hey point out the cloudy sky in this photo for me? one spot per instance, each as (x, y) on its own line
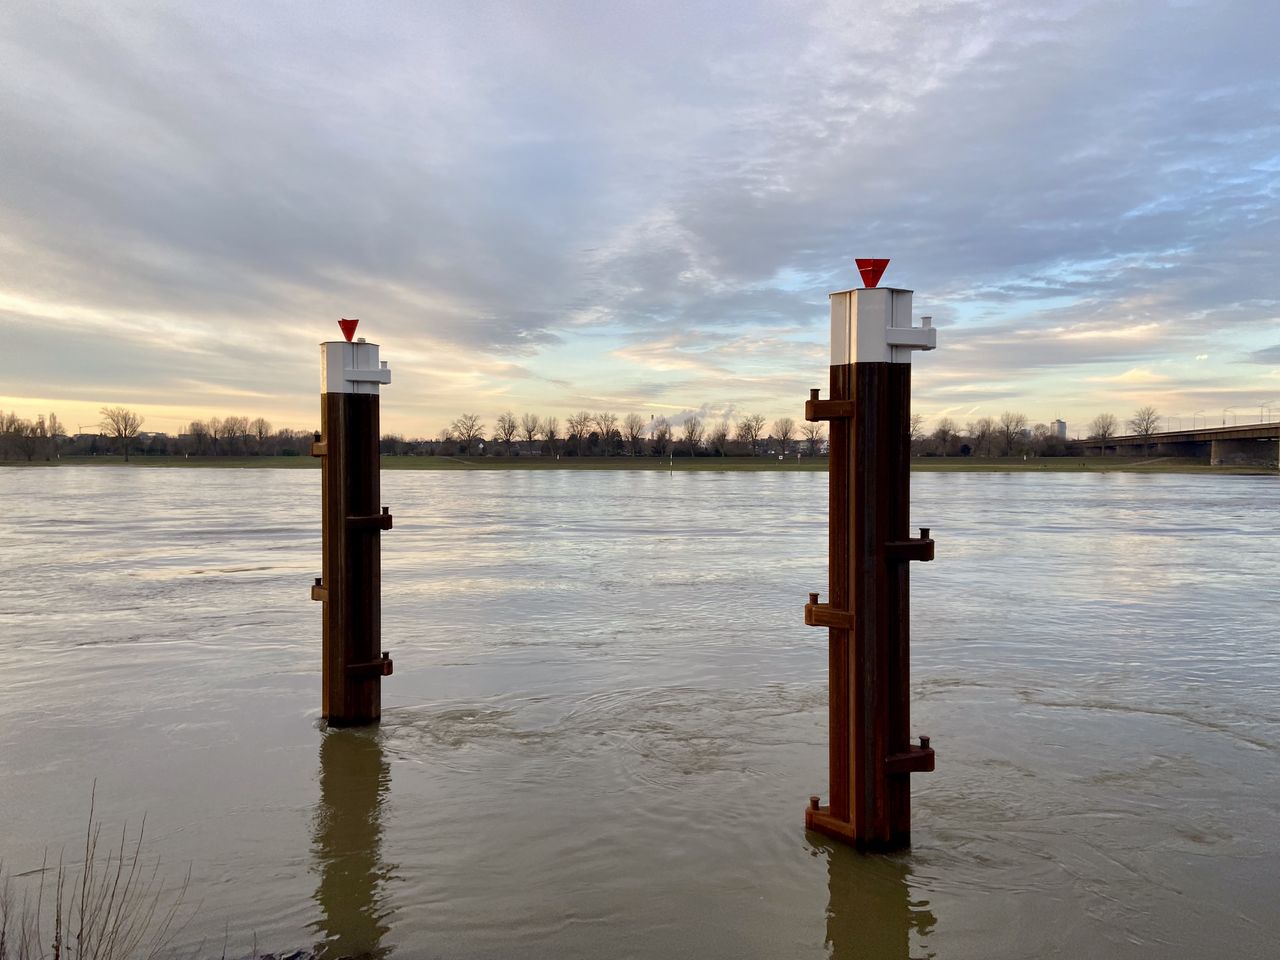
(554, 206)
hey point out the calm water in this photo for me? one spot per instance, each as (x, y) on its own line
(606, 714)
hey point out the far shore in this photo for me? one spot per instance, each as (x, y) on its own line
(733, 464)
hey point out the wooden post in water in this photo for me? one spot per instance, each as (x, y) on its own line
(868, 613)
(350, 586)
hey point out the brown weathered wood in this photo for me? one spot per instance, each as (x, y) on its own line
(351, 580)
(815, 410)
(907, 550)
(381, 667)
(840, 491)
(868, 610)
(823, 615)
(377, 521)
(915, 760)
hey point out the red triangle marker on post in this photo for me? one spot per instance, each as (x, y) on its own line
(871, 270)
(349, 326)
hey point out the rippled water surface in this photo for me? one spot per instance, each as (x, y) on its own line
(606, 714)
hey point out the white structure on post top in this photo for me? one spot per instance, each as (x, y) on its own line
(873, 325)
(351, 367)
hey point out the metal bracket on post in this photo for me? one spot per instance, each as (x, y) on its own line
(920, 548)
(377, 521)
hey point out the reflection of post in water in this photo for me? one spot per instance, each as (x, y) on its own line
(354, 780)
(870, 914)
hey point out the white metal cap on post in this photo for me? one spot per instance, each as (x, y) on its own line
(873, 325)
(351, 367)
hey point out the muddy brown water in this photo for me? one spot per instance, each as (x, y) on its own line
(606, 714)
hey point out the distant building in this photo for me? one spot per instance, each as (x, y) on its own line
(1060, 429)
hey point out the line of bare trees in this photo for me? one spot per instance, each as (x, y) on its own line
(1011, 434)
(30, 440)
(119, 431)
(237, 436)
(583, 434)
(1003, 436)
(1144, 422)
(605, 434)
(45, 439)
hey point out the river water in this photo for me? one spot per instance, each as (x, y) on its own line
(607, 714)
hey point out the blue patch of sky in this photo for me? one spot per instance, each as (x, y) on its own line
(796, 281)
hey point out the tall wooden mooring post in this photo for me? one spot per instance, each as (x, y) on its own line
(350, 585)
(868, 612)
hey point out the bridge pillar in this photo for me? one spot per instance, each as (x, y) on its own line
(1251, 453)
(867, 613)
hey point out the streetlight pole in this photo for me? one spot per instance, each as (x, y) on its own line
(1193, 418)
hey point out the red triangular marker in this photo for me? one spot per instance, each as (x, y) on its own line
(349, 326)
(871, 270)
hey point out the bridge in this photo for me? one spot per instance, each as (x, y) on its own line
(1250, 444)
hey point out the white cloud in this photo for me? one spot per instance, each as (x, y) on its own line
(1073, 190)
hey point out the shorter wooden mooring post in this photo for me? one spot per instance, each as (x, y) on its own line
(868, 612)
(350, 585)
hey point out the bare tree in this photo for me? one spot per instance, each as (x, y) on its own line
(199, 433)
(915, 432)
(261, 430)
(785, 430)
(633, 431)
(660, 429)
(749, 428)
(607, 424)
(8, 433)
(121, 424)
(551, 431)
(530, 427)
(980, 432)
(506, 429)
(235, 432)
(812, 431)
(57, 432)
(216, 434)
(943, 434)
(693, 433)
(579, 424)
(1011, 426)
(28, 438)
(467, 429)
(1102, 427)
(1144, 422)
(718, 437)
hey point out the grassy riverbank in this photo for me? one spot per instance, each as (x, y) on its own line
(731, 464)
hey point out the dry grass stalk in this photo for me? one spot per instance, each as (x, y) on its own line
(112, 908)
